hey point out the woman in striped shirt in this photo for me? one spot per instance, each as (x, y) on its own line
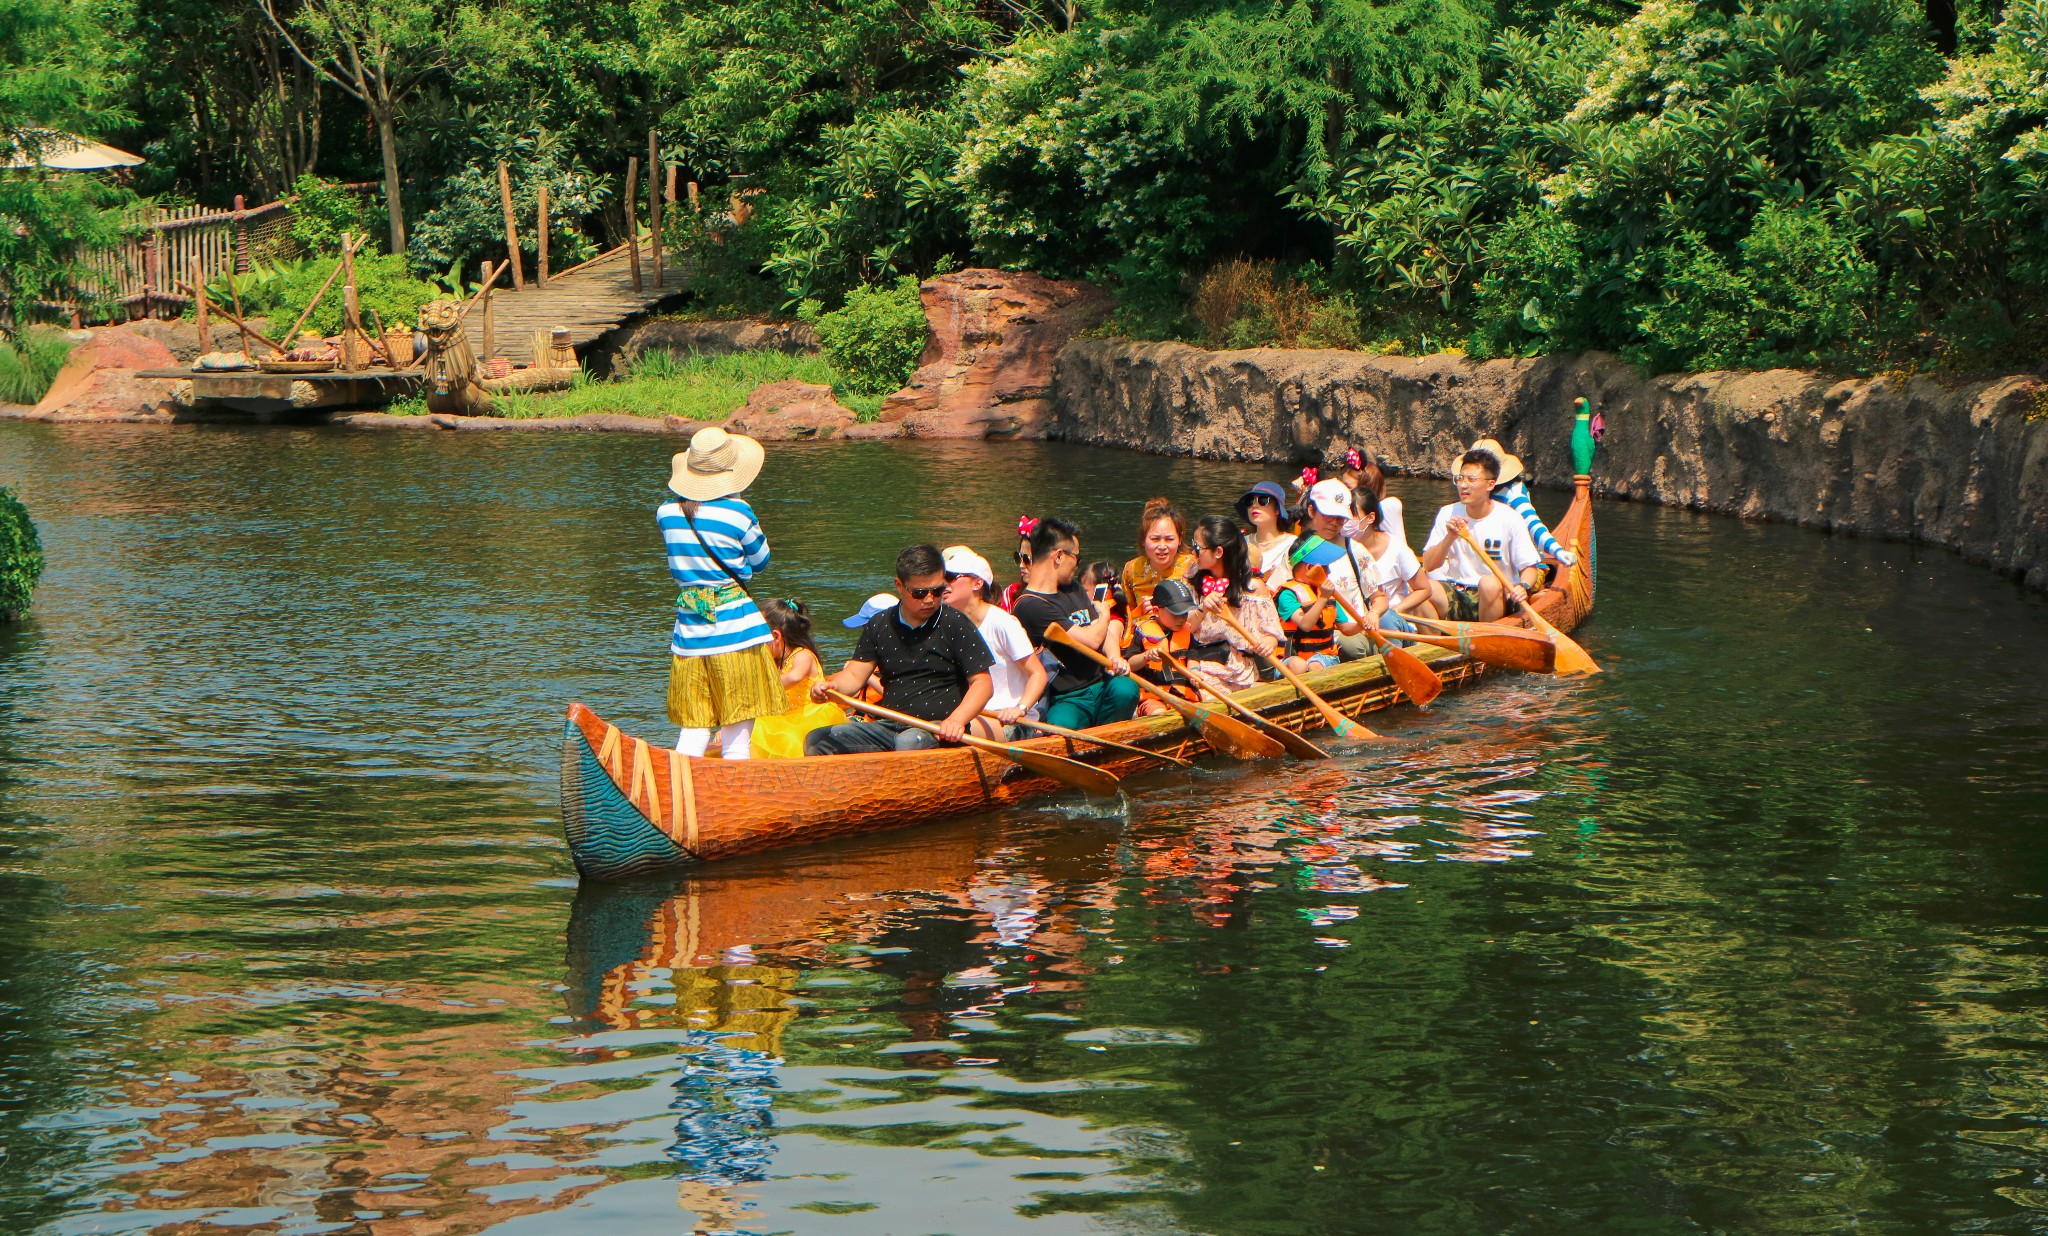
(722, 673)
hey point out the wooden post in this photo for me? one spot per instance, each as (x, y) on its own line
(632, 221)
(511, 226)
(490, 331)
(693, 196)
(654, 201)
(540, 237)
(152, 257)
(241, 236)
(351, 308)
(670, 195)
(199, 306)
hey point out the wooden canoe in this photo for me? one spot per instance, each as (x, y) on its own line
(631, 807)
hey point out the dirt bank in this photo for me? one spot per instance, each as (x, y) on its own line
(1959, 463)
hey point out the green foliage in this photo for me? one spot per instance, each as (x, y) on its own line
(21, 557)
(384, 284)
(29, 363)
(469, 221)
(324, 210)
(697, 387)
(876, 337)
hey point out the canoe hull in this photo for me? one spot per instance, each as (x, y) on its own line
(631, 808)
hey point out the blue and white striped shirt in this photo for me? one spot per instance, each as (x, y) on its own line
(729, 530)
(1516, 495)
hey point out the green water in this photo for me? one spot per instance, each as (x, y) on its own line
(1745, 935)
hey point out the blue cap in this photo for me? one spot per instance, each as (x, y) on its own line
(869, 608)
(1314, 551)
(1264, 489)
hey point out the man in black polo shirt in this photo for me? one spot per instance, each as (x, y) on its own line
(934, 665)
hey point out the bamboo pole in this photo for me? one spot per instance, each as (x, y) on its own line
(540, 238)
(351, 308)
(199, 306)
(632, 221)
(377, 341)
(654, 201)
(488, 337)
(511, 226)
(291, 336)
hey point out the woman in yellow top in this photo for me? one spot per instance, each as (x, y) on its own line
(1162, 551)
(781, 737)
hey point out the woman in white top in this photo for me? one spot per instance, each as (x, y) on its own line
(1263, 509)
(1396, 584)
(1366, 478)
(1018, 675)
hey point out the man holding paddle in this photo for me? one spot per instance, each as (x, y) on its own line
(1465, 588)
(934, 666)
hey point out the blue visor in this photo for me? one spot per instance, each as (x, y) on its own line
(1314, 551)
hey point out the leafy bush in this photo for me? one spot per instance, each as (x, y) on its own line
(21, 557)
(323, 211)
(384, 284)
(469, 220)
(876, 337)
(698, 387)
(30, 363)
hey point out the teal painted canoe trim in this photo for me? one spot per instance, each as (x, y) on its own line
(608, 836)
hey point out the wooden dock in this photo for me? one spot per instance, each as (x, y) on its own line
(590, 300)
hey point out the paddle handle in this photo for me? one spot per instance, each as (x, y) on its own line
(1057, 634)
(903, 718)
(1580, 661)
(1047, 727)
(1339, 723)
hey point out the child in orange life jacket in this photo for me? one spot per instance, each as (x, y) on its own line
(1165, 626)
(1310, 613)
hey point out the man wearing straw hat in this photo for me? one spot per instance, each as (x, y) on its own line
(721, 672)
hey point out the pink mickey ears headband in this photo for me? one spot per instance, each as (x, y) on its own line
(1351, 459)
(1306, 480)
(1026, 525)
(1212, 585)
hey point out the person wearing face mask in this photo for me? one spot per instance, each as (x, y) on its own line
(933, 662)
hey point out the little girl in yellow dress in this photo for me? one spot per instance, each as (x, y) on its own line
(781, 737)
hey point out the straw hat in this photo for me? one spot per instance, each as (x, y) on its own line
(1510, 465)
(717, 465)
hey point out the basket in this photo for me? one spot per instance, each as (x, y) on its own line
(291, 366)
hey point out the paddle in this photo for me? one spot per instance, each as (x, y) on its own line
(1516, 648)
(1081, 776)
(1084, 736)
(1344, 726)
(1571, 659)
(1414, 679)
(1280, 733)
(1225, 735)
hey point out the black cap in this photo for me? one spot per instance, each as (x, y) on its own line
(1173, 596)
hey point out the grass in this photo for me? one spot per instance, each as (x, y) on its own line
(29, 363)
(699, 388)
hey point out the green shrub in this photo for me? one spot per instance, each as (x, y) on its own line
(30, 363)
(384, 283)
(324, 211)
(21, 557)
(876, 337)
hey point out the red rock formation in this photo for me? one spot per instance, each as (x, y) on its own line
(792, 411)
(987, 368)
(98, 382)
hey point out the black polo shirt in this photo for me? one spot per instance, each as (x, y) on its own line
(924, 669)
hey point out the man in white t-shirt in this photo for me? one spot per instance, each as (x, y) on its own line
(1019, 677)
(1466, 588)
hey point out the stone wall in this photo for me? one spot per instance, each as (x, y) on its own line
(1960, 463)
(616, 351)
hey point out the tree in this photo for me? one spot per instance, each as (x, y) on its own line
(50, 86)
(378, 52)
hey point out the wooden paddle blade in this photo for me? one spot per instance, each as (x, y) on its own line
(1571, 659)
(1084, 777)
(1288, 739)
(1230, 736)
(1526, 651)
(1412, 674)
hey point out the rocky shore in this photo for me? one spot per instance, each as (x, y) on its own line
(1961, 463)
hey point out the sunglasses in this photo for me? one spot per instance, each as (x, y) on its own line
(925, 594)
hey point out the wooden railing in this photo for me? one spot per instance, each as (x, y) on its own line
(142, 276)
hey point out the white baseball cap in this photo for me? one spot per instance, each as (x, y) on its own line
(875, 604)
(961, 560)
(1330, 498)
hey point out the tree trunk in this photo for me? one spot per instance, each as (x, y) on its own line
(387, 137)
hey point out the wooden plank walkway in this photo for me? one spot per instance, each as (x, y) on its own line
(596, 298)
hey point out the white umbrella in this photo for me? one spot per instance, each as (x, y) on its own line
(65, 153)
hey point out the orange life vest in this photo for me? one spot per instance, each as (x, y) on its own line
(1317, 637)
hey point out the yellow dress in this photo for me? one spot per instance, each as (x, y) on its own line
(781, 737)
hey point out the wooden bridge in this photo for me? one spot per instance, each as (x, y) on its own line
(590, 300)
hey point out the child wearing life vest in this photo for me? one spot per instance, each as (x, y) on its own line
(1310, 613)
(1166, 628)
